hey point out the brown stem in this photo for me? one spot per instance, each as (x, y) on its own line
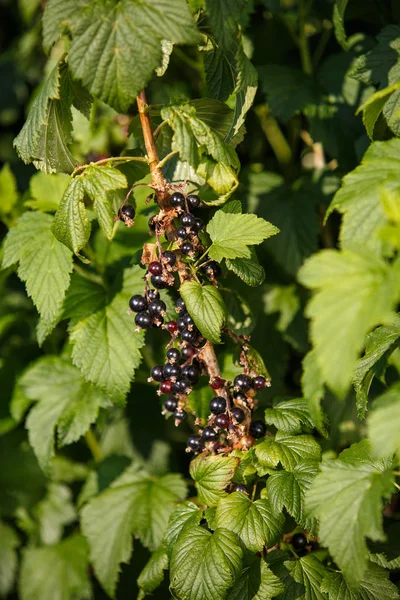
(161, 186)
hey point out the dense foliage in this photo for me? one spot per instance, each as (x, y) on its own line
(199, 363)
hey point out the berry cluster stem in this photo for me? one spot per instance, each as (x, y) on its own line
(161, 187)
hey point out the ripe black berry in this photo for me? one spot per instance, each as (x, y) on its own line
(180, 415)
(257, 429)
(144, 320)
(195, 443)
(127, 211)
(172, 327)
(209, 435)
(137, 303)
(153, 294)
(177, 200)
(188, 352)
(299, 541)
(158, 282)
(157, 307)
(170, 404)
(181, 324)
(193, 201)
(181, 386)
(182, 233)
(157, 373)
(218, 405)
(191, 372)
(155, 268)
(189, 336)
(173, 354)
(187, 220)
(180, 305)
(237, 414)
(186, 248)
(169, 257)
(197, 226)
(259, 382)
(243, 382)
(166, 387)
(222, 420)
(239, 487)
(187, 319)
(171, 370)
(240, 396)
(212, 269)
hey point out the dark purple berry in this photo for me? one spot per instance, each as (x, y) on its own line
(172, 327)
(187, 319)
(222, 421)
(212, 269)
(169, 257)
(158, 282)
(259, 382)
(153, 294)
(171, 370)
(166, 387)
(195, 443)
(144, 320)
(137, 303)
(191, 372)
(173, 354)
(193, 201)
(170, 404)
(218, 405)
(237, 414)
(240, 396)
(189, 336)
(243, 382)
(157, 307)
(180, 415)
(155, 268)
(197, 226)
(127, 211)
(181, 233)
(299, 541)
(209, 435)
(157, 373)
(186, 248)
(180, 305)
(187, 220)
(188, 352)
(257, 429)
(182, 386)
(217, 383)
(239, 487)
(177, 200)
(181, 323)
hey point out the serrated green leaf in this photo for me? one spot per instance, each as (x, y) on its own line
(245, 91)
(59, 571)
(382, 64)
(221, 177)
(256, 363)
(373, 586)
(204, 564)
(46, 191)
(152, 574)
(255, 523)
(339, 10)
(8, 558)
(256, 582)
(71, 224)
(289, 415)
(363, 290)
(8, 190)
(44, 265)
(206, 307)
(373, 107)
(135, 504)
(312, 384)
(359, 197)
(64, 401)
(346, 498)
(303, 579)
(54, 512)
(83, 298)
(382, 423)
(184, 514)
(110, 26)
(232, 234)
(212, 475)
(248, 269)
(287, 450)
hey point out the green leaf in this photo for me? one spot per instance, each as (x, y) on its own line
(287, 450)
(359, 198)
(245, 91)
(289, 415)
(184, 514)
(212, 474)
(338, 22)
(312, 383)
(382, 64)
(71, 224)
(379, 345)
(224, 16)
(231, 234)
(255, 523)
(359, 287)
(152, 574)
(136, 504)
(204, 564)
(373, 107)
(54, 512)
(59, 571)
(64, 401)
(206, 307)
(346, 498)
(44, 265)
(257, 582)
(8, 558)
(83, 298)
(256, 363)
(248, 269)
(383, 434)
(303, 579)
(8, 190)
(46, 191)
(112, 26)
(373, 586)
(105, 345)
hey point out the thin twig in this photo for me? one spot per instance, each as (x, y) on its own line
(110, 159)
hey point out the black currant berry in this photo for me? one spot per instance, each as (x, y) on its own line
(239, 487)
(222, 421)
(181, 323)
(195, 443)
(187, 319)
(182, 233)
(127, 211)
(259, 382)
(157, 321)
(144, 320)
(181, 386)
(180, 305)
(171, 370)
(187, 220)
(188, 352)
(177, 200)
(197, 226)
(153, 294)
(243, 382)
(193, 201)
(240, 396)
(180, 415)
(157, 307)
(137, 303)
(217, 383)
(212, 269)
(170, 404)
(157, 373)
(191, 372)
(186, 248)
(257, 429)
(299, 541)
(209, 435)
(218, 405)
(173, 354)
(189, 336)
(237, 414)
(155, 268)
(169, 257)
(158, 282)
(166, 387)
